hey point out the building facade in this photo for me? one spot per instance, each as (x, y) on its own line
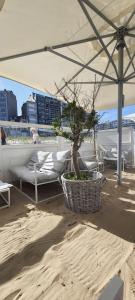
(8, 106)
(29, 110)
(114, 124)
(41, 114)
(48, 109)
(42, 109)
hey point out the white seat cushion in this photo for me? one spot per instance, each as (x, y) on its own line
(91, 164)
(81, 162)
(29, 175)
(37, 157)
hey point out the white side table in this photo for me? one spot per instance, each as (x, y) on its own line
(5, 188)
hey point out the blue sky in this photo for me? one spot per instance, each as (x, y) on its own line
(22, 92)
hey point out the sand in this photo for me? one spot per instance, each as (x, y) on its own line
(48, 252)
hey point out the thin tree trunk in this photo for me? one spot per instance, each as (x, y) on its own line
(75, 161)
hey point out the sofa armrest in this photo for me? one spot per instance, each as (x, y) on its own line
(36, 167)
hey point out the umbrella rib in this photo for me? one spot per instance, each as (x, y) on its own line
(130, 18)
(130, 62)
(129, 77)
(80, 64)
(36, 51)
(97, 34)
(131, 29)
(98, 12)
(127, 82)
(92, 82)
(90, 39)
(21, 54)
(131, 35)
(90, 61)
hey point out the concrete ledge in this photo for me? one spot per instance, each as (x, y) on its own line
(113, 290)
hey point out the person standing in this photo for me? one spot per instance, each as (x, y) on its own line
(3, 136)
(35, 136)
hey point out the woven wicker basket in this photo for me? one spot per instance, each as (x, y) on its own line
(83, 195)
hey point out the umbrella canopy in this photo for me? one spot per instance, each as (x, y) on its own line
(43, 41)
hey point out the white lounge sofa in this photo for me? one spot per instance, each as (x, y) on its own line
(42, 168)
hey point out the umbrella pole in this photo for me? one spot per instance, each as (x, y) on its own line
(120, 48)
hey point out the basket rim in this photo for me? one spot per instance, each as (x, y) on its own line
(79, 180)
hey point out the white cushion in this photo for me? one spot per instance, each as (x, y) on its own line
(55, 161)
(29, 175)
(37, 157)
(81, 162)
(91, 164)
(114, 154)
(111, 154)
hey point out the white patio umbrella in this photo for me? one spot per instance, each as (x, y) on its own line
(43, 41)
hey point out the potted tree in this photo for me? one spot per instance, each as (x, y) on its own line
(81, 186)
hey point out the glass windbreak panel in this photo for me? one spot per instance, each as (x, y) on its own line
(17, 134)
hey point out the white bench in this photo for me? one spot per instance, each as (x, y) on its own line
(42, 168)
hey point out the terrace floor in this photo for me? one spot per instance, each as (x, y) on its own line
(48, 252)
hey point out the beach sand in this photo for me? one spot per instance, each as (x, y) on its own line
(48, 252)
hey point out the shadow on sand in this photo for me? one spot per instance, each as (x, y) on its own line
(117, 216)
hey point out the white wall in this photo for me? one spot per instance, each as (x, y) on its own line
(19, 154)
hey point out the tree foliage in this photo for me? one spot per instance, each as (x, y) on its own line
(80, 122)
